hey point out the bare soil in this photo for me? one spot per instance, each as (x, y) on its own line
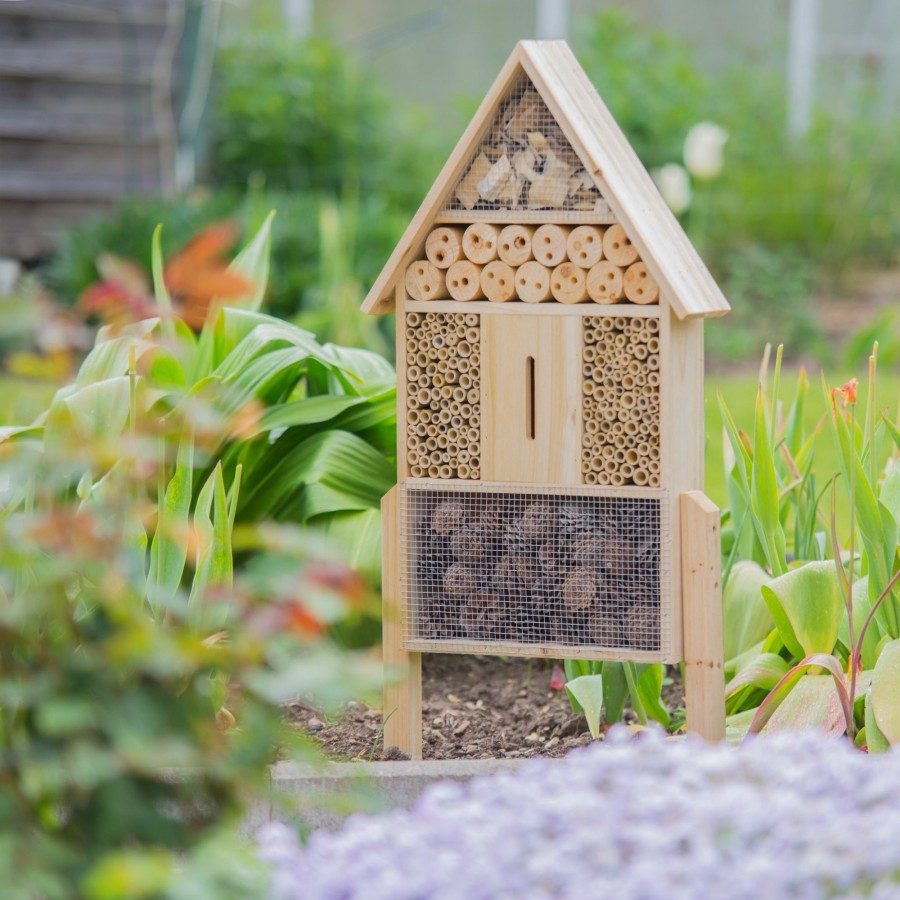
(473, 707)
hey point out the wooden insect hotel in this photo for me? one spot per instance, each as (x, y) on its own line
(549, 314)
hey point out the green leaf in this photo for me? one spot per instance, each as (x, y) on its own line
(168, 551)
(813, 702)
(875, 739)
(764, 672)
(253, 263)
(789, 681)
(615, 691)
(747, 619)
(213, 560)
(357, 537)
(587, 691)
(649, 685)
(97, 411)
(885, 692)
(764, 493)
(807, 606)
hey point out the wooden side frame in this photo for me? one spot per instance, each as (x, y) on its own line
(704, 668)
(402, 706)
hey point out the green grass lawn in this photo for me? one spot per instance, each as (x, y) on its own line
(739, 392)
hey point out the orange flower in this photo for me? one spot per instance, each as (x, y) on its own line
(848, 392)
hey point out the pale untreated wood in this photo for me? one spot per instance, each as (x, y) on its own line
(498, 281)
(531, 400)
(545, 651)
(533, 282)
(567, 283)
(584, 246)
(514, 245)
(617, 247)
(549, 244)
(480, 243)
(605, 282)
(463, 282)
(523, 309)
(443, 246)
(639, 285)
(402, 706)
(599, 214)
(424, 281)
(703, 640)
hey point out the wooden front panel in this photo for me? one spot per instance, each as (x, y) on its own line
(531, 399)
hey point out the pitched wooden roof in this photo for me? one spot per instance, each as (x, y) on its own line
(684, 280)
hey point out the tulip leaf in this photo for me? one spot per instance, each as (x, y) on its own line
(747, 619)
(587, 691)
(807, 606)
(885, 692)
(764, 672)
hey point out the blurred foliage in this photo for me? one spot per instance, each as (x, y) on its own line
(132, 744)
(784, 213)
(764, 286)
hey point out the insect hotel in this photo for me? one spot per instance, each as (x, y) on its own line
(549, 314)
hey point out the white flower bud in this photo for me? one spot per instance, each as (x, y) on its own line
(703, 150)
(675, 186)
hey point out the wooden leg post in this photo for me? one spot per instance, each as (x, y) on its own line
(702, 605)
(402, 671)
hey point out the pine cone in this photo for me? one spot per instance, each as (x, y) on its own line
(514, 538)
(539, 521)
(642, 626)
(605, 630)
(548, 556)
(587, 549)
(448, 515)
(579, 589)
(460, 581)
(435, 557)
(467, 544)
(573, 520)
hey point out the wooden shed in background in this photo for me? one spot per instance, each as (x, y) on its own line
(88, 93)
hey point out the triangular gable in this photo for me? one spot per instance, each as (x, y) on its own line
(523, 164)
(591, 135)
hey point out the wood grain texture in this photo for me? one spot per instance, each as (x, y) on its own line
(546, 651)
(703, 639)
(509, 451)
(402, 669)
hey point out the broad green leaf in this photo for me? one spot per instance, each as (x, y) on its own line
(615, 691)
(649, 688)
(747, 619)
(737, 725)
(861, 608)
(807, 607)
(588, 692)
(875, 739)
(789, 681)
(764, 672)
(253, 263)
(357, 537)
(213, 559)
(168, 551)
(885, 692)
(892, 429)
(631, 679)
(109, 356)
(813, 702)
(97, 411)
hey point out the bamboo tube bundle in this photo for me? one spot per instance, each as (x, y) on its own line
(620, 409)
(445, 357)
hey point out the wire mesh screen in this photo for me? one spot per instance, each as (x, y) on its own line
(620, 406)
(536, 568)
(443, 418)
(525, 162)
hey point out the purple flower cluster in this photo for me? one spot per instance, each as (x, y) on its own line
(792, 815)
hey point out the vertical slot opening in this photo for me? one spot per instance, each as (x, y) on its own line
(529, 397)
